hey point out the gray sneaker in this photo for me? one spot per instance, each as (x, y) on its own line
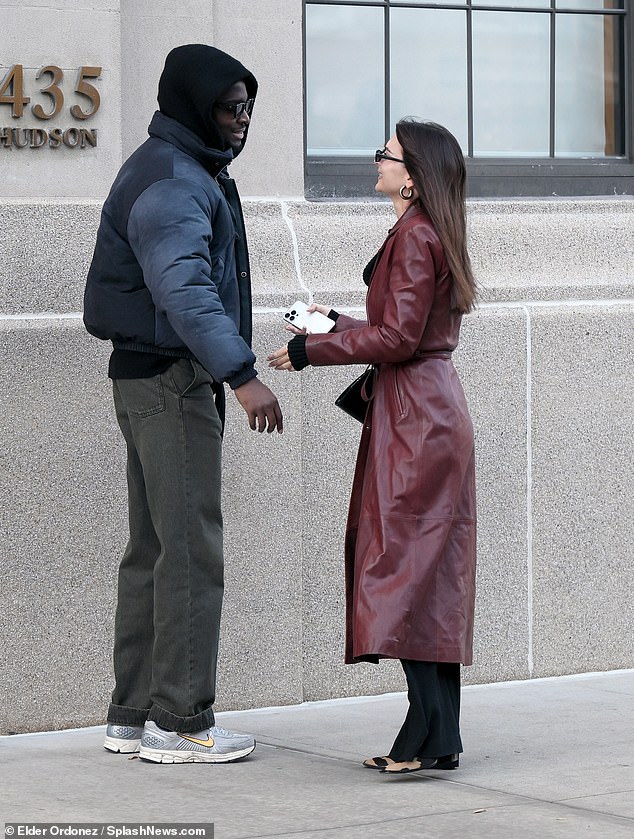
(212, 745)
(125, 739)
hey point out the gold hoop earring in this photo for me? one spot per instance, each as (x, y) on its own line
(401, 192)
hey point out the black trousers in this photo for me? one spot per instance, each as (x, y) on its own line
(432, 724)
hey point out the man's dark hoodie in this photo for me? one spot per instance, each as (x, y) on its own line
(170, 247)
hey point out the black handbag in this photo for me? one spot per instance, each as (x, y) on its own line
(354, 400)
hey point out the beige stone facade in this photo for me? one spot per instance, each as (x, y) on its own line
(546, 360)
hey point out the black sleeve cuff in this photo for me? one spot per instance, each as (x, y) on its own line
(242, 377)
(297, 352)
(333, 315)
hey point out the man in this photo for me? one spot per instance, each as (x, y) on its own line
(169, 286)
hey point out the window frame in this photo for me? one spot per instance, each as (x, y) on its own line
(329, 177)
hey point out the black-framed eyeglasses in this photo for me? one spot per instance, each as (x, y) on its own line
(236, 108)
(383, 154)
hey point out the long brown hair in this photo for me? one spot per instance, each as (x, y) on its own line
(435, 163)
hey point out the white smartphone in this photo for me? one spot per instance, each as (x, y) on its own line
(312, 322)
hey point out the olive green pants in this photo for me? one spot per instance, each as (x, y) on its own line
(171, 577)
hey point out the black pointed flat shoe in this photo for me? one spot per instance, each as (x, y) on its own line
(378, 762)
(445, 762)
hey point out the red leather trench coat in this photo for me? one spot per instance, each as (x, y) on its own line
(411, 530)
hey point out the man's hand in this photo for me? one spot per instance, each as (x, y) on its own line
(261, 406)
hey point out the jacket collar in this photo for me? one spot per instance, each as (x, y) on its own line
(410, 212)
(168, 129)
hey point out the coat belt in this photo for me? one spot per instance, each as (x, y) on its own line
(433, 354)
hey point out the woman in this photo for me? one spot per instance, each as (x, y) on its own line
(411, 531)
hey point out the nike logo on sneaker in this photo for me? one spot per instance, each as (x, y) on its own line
(209, 742)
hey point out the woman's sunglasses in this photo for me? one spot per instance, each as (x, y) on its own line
(382, 154)
(236, 108)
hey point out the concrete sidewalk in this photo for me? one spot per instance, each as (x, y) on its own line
(547, 758)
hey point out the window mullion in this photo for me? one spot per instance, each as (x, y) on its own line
(387, 132)
(469, 14)
(628, 80)
(553, 32)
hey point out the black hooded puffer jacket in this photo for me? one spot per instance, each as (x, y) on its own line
(163, 277)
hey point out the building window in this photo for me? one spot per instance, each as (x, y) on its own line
(538, 93)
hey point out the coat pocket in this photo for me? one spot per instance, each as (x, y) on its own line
(143, 397)
(399, 400)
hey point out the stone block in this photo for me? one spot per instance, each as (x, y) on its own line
(273, 271)
(64, 520)
(491, 361)
(65, 527)
(335, 242)
(269, 43)
(583, 501)
(45, 251)
(149, 30)
(553, 249)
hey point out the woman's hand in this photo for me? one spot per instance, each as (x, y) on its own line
(317, 307)
(314, 307)
(279, 359)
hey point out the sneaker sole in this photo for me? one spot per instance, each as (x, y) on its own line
(173, 756)
(127, 747)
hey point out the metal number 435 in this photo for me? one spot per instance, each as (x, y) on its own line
(12, 92)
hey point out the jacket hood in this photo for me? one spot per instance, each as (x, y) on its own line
(194, 77)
